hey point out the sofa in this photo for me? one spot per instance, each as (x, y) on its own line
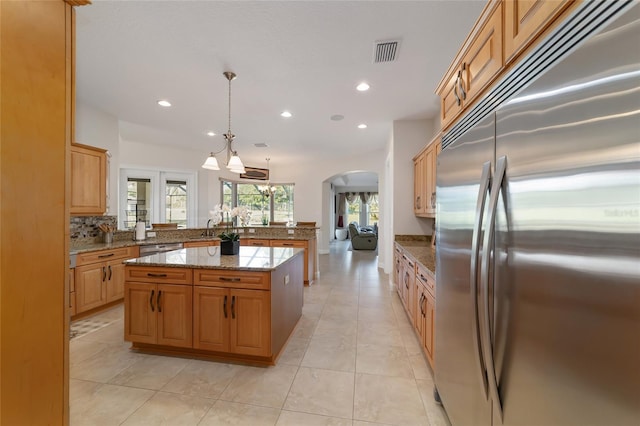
(362, 238)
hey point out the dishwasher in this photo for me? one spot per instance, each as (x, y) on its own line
(149, 249)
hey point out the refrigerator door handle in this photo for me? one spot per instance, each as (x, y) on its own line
(488, 241)
(485, 180)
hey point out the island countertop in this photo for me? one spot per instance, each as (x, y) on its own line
(248, 259)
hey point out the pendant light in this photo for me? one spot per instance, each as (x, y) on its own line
(234, 164)
(267, 190)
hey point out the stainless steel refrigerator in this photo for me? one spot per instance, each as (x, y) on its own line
(538, 242)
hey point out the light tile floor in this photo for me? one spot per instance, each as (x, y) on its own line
(352, 360)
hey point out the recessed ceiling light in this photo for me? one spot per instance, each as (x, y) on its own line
(337, 117)
(286, 114)
(362, 126)
(164, 103)
(362, 87)
(210, 133)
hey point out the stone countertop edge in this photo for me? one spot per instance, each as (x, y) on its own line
(228, 258)
(87, 247)
(421, 251)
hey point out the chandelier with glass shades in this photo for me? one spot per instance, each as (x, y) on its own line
(267, 190)
(234, 164)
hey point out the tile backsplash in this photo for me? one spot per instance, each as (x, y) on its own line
(87, 226)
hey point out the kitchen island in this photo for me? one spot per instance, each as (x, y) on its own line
(198, 303)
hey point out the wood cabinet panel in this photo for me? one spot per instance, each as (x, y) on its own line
(88, 180)
(309, 247)
(429, 326)
(254, 242)
(450, 100)
(524, 19)
(230, 278)
(115, 281)
(191, 244)
(140, 323)
(159, 275)
(211, 312)
(250, 330)
(107, 255)
(90, 288)
(484, 58)
(175, 312)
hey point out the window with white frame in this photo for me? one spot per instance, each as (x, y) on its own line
(264, 206)
(155, 196)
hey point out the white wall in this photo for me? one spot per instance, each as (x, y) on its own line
(100, 129)
(409, 137)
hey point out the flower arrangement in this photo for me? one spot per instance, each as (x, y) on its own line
(229, 213)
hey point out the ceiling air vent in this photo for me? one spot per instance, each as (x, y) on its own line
(385, 50)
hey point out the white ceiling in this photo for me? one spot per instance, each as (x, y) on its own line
(303, 56)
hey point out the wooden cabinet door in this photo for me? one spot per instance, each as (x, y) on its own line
(451, 103)
(90, 286)
(88, 180)
(211, 316)
(72, 292)
(429, 327)
(420, 310)
(174, 306)
(484, 58)
(430, 180)
(115, 281)
(523, 19)
(418, 182)
(250, 322)
(254, 242)
(140, 320)
(411, 296)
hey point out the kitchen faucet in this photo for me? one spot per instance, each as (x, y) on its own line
(207, 231)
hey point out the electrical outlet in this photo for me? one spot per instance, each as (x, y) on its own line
(240, 231)
(151, 234)
(290, 231)
(252, 230)
(286, 279)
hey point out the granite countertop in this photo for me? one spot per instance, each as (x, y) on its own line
(95, 246)
(422, 252)
(248, 259)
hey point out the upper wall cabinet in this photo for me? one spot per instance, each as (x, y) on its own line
(88, 180)
(523, 20)
(480, 62)
(505, 30)
(424, 180)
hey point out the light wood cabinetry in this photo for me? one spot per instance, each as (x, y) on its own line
(191, 244)
(88, 180)
(159, 313)
(505, 30)
(424, 179)
(254, 242)
(475, 67)
(72, 292)
(99, 277)
(250, 322)
(524, 19)
(309, 246)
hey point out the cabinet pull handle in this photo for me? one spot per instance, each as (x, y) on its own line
(109, 272)
(151, 301)
(158, 303)
(455, 89)
(233, 310)
(224, 306)
(104, 273)
(406, 278)
(258, 244)
(235, 280)
(102, 256)
(150, 274)
(433, 200)
(287, 244)
(420, 303)
(463, 93)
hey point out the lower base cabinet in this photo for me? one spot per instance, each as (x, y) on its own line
(159, 314)
(231, 320)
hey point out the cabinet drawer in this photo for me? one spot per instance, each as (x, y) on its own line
(234, 279)
(146, 274)
(426, 277)
(289, 243)
(254, 243)
(192, 244)
(105, 255)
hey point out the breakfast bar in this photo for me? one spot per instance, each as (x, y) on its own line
(199, 303)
